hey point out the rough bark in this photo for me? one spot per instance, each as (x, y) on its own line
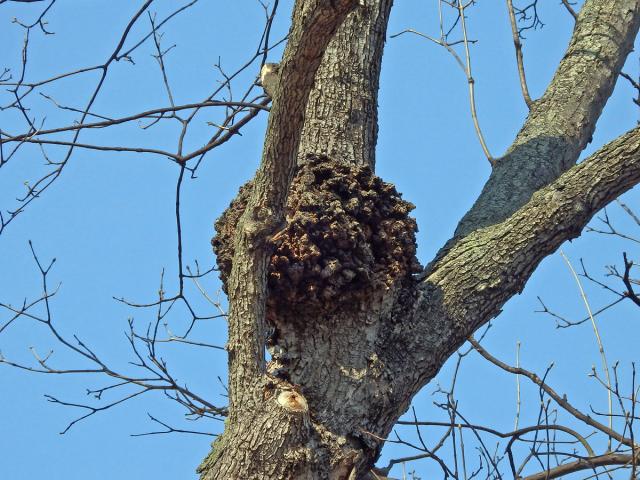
(342, 113)
(560, 124)
(247, 286)
(255, 412)
(470, 284)
(345, 376)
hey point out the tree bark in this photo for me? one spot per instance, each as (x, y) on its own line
(342, 112)
(265, 435)
(560, 124)
(352, 373)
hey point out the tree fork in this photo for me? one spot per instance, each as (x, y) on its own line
(348, 371)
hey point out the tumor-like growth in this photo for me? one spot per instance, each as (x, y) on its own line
(347, 234)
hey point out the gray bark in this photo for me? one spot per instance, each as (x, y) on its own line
(560, 124)
(342, 113)
(351, 374)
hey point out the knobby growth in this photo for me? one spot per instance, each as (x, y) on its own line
(347, 234)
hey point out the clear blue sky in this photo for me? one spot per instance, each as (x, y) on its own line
(109, 220)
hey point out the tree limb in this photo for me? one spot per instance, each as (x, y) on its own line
(583, 464)
(471, 283)
(342, 114)
(560, 124)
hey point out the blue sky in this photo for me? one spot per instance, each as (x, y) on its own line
(109, 219)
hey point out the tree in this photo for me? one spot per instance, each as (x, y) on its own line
(341, 373)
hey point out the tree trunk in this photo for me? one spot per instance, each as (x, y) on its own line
(341, 120)
(346, 361)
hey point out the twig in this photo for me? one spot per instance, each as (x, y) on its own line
(603, 356)
(518, 46)
(561, 401)
(471, 82)
(570, 9)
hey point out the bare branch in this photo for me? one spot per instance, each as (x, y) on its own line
(169, 429)
(561, 401)
(562, 121)
(583, 464)
(443, 41)
(570, 9)
(154, 376)
(630, 293)
(518, 46)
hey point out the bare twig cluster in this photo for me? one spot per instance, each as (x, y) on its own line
(624, 285)
(58, 143)
(149, 371)
(444, 40)
(552, 447)
(527, 16)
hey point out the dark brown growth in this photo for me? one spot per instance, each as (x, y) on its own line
(347, 233)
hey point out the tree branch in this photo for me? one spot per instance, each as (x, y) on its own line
(563, 402)
(560, 124)
(469, 285)
(583, 464)
(519, 60)
(342, 114)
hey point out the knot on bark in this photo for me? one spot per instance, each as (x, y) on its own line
(293, 401)
(347, 233)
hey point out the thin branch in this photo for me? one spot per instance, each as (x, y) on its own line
(471, 82)
(596, 332)
(138, 116)
(518, 46)
(570, 9)
(561, 401)
(583, 464)
(169, 429)
(630, 293)
(156, 376)
(465, 66)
